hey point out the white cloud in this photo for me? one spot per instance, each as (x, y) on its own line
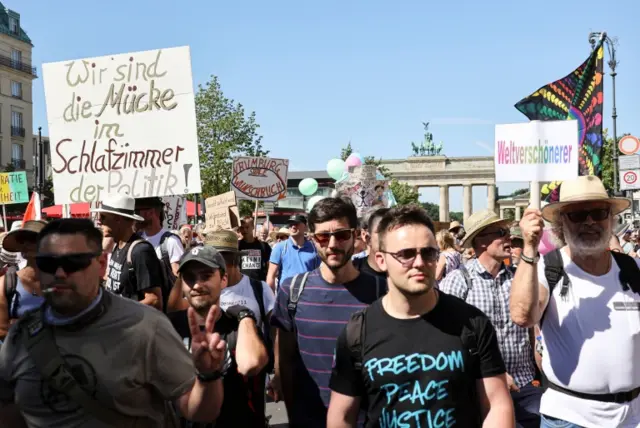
(484, 146)
(460, 121)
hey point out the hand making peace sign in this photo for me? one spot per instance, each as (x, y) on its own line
(207, 347)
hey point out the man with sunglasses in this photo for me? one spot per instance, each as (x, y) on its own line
(313, 308)
(485, 282)
(417, 357)
(585, 299)
(88, 358)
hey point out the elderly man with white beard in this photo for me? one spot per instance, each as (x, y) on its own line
(585, 298)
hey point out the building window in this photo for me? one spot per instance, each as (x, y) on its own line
(16, 58)
(17, 156)
(14, 25)
(16, 89)
(16, 119)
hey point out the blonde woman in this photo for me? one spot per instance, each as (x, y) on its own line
(450, 259)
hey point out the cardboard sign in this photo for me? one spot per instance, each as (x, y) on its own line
(175, 212)
(364, 188)
(122, 124)
(13, 188)
(262, 179)
(221, 212)
(537, 151)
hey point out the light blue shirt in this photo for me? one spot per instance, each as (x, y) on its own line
(293, 260)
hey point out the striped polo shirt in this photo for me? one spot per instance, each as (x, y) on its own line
(322, 313)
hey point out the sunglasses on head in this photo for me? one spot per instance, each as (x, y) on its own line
(70, 263)
(340, 235)
(598, 214)
(407, 256)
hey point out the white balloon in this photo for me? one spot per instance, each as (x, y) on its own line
(313, 200)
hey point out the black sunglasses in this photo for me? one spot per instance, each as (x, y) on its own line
(70, 263)
(407, 256)
(598, 214)
(500, 233)
(340, 235)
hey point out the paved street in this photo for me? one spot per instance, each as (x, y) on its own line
(278, 415)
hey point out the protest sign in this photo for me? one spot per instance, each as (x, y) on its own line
(537, 151)
(122, 124)
(221, 212)
(364, 188)
(261, 179)
(13, 188)
(175, 211)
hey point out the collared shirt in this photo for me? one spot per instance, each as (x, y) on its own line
(293, 259)
(491, 296)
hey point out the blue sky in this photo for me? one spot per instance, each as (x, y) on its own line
(320, 74)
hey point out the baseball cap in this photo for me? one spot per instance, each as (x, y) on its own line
(295, 219)
(206, 255)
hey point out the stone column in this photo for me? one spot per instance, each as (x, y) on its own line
(491, 197)
(467, 201)
(517, 213)
(501, 212)
(444, 203)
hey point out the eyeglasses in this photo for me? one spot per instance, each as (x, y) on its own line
(500, 233)
(407, 256)
(70, 263)
(340, 235)
(598, 214)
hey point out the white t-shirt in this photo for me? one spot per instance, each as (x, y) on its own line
(242, 294)
(174, 245)
(591, 345)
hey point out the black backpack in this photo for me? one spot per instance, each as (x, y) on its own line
(256, 286)
(10, 285)
(167, 284)
(166, 261)
(554, 272)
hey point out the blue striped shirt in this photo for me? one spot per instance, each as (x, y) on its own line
(322, 313)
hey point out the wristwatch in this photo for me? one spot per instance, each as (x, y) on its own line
(209, 377)
(246, 313)
(531, 261)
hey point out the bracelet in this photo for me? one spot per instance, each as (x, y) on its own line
(209, 377)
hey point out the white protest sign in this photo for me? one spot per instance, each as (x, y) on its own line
(364, 188)
(630, 180)
(262, 179)
(122, 124)
(537, 151)
(175, 212)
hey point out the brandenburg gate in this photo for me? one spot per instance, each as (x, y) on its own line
(444, 172)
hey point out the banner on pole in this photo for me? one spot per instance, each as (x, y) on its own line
(259, 179)
(536, 151)
(13, 188)
(122, 124)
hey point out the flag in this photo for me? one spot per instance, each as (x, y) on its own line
(30, 212)
(578, 96)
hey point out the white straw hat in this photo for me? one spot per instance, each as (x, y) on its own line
(122, 205)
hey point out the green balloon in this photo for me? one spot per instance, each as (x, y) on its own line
(308, 186)
(335, 168)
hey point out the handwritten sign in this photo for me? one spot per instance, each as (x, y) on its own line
(175, 211)
(13, 188)
(221, 212)
(262, 179)
(122, 124)
(364, 188)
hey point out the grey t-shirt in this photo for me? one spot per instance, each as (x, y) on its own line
(130, 359)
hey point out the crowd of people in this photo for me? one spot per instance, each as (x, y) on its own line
(374, 321)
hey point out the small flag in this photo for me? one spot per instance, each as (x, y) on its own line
(30, 212)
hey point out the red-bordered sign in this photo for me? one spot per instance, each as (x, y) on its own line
(629, 145)
(630, 177)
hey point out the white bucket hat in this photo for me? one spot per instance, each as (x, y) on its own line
(121, 205)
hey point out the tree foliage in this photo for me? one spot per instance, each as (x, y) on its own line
(404, 193)
(368, 160)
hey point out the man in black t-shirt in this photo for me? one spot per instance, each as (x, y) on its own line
(134, 270)
(417, 357)
(203, 273)
(368, 264)
(255, 253)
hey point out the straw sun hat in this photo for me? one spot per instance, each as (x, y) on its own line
(479, 221)
(586, 188)
(14, 241)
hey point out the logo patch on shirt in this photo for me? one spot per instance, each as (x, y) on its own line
(626, 306)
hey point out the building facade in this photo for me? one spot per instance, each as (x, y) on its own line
(16, 101)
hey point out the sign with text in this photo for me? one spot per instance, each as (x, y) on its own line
(261, 179)
(221, 212)
(629, 180)
(13, 188)
(122, 124)
(537, 151)
(175, 212)
(364, 188)
(629, 162)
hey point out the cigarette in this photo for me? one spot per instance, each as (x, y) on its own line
(50, 290)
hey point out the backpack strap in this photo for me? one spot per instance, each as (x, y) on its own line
(554, 272)
(130, 251)
(356, 333)
(40, 343)
(10, 283)
(256, 286)
(295, 291)
(467, 280)
(629, 271)
(470, 342)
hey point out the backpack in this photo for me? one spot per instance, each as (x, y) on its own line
(166, 261)
(10, 283)
(554, 272)
(256, 286)
(165, 288)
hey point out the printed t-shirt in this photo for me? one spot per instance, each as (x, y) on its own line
(129, 358)
(323, 311)
(244, 403)
(417, 371)
(591, 339)
(147, 271)
(242, 294)
(173, 245)
(254, 259)
(294, 260)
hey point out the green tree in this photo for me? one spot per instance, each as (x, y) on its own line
(224, 132)
(404, 193)
(432, 209)
(456, 216)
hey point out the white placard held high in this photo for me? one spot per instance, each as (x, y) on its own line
(537, 151)
(122, 124)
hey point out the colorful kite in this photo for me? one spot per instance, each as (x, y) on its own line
(577, 96)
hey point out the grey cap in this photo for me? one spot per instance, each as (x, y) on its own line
(207, 255)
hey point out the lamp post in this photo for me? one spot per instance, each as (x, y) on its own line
(613, 63)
